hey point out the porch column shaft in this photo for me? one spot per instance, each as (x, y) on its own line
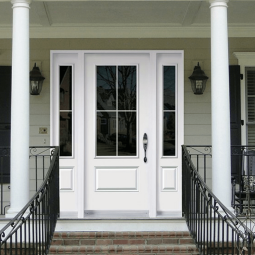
(221, 159)
(20, 107)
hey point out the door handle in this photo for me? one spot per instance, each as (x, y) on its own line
(145, 144)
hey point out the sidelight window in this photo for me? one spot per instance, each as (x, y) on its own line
(169, 111)
(66, 113)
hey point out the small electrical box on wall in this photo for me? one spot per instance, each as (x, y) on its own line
(43, 130)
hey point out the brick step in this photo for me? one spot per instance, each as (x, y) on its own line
(111, 238)
(123, 243)
(119, 235)
(124, 249)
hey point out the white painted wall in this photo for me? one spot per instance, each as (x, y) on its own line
(197, 108)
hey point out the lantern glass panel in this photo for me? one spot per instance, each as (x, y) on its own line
(199, 84)
(35, 87)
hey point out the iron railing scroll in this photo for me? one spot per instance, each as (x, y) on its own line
(31, 231)
(215, 229)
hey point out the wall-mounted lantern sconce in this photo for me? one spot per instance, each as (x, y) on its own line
(198, 80)
(36, 81)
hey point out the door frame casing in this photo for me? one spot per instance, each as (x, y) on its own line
(77, 60)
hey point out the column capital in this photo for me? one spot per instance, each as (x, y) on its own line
(215, 3)
(21, 2)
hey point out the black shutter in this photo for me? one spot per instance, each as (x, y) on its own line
(5, 122)
(235, 119)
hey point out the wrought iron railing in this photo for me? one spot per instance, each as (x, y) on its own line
(214, 228)
(4, 179)
(39, 164)
(243, 182)
(31, 231)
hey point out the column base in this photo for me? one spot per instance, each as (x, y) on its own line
(11, 213)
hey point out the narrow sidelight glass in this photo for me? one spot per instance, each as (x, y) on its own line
(169, 112)
(65, 106)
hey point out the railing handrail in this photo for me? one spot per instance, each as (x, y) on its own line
(24, 209)
(231, 215)
(236, 224)
(39, 210)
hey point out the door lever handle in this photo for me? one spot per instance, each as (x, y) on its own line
(145, 144)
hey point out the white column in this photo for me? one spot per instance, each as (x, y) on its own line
(20, 107)
(221, 159)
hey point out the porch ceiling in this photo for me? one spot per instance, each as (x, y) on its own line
(128, 19)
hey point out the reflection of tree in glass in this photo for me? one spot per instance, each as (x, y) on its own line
(169, 87)
(127, 87)
(127, 97)
(107, 77)
(126, 92)
(171, 122)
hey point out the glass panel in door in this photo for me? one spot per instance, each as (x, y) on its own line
(116, 111)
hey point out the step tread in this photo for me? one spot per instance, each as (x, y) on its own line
(133, 253)
(123, 248)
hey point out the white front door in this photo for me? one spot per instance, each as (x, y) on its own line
(120, 100)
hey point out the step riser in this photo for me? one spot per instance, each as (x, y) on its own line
(114, 235)
(79, 242)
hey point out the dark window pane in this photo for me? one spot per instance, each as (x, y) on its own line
(169, 134)
(65, 87)
(106, 134)
(127, 87)
(169, 87)
(127, 134)
(65, 134)
(106, 87)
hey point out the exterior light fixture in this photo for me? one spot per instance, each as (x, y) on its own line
(198, 80)
(36, 81)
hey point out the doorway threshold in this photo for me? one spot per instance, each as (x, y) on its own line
(103, 214)
(149, 224)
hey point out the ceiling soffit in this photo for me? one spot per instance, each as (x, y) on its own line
(128, 19)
